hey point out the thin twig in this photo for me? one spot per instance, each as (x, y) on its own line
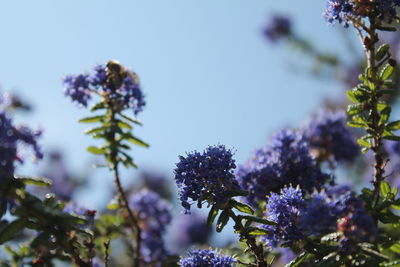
(106, 252)
(250, 241)
(123, 200)
(132, 219)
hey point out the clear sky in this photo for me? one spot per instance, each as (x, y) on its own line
(208, 74)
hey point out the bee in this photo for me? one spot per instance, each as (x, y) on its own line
(116, 74)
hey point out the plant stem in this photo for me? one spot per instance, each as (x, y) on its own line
(250, 241)
(132, 220)
(106, 253)
(123, 200)
(379, 166)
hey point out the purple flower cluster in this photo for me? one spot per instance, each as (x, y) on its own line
(323, 213)
(328, 134)
(284, 209)
(206, 258)
(319, 216)
(278, 27)
(342, 10)
(286, 160)
(127, 95)
(206, 176)
(154, 215)
(355, 224)
(78, 88)
(11, 138)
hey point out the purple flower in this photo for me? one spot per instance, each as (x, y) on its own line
(354, 223)
(356, 227)
(277, 27)
(285, 160)
(132, 95)
(206, 258)
(98, 78)
(78, 88)
(151, 210)
(284, 209)
(342, 10)
(318, 217)
(128, 95)
(297, 217)
(329, 135)
(153, 214)
(206, 176)
(11, 139)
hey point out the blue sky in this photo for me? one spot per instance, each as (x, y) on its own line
(208, 74)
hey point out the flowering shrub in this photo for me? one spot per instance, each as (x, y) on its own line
(286, 203)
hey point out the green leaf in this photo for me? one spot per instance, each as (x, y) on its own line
(38, 181)
(96, 130)
(131, 119)
(242, 207)
(212, 214)
(10, 251)
(222, 220)
(364, 150)
(392, 137)
(386, 72)
(256, 231)
(332, 237)
(92, 119)
(361, 94)
(385, 188)
(137, 141)
(382, 51)
(258, 220)
(96, 150)
(113, 205)
(395, 190)
(395, 248)
(296, 262)
(374, 253)
(381, 106)
(124, 125)
(41, 240)
(355, 124)
(100, 105)
(239, 192)
(354, 109)
(393, 126)
(385, 114)
(386, 28)
(11, 230)
(363, 142)
(3, 208)
(351, 97)
(395, 263)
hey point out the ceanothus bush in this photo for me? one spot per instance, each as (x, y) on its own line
(299, 200)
